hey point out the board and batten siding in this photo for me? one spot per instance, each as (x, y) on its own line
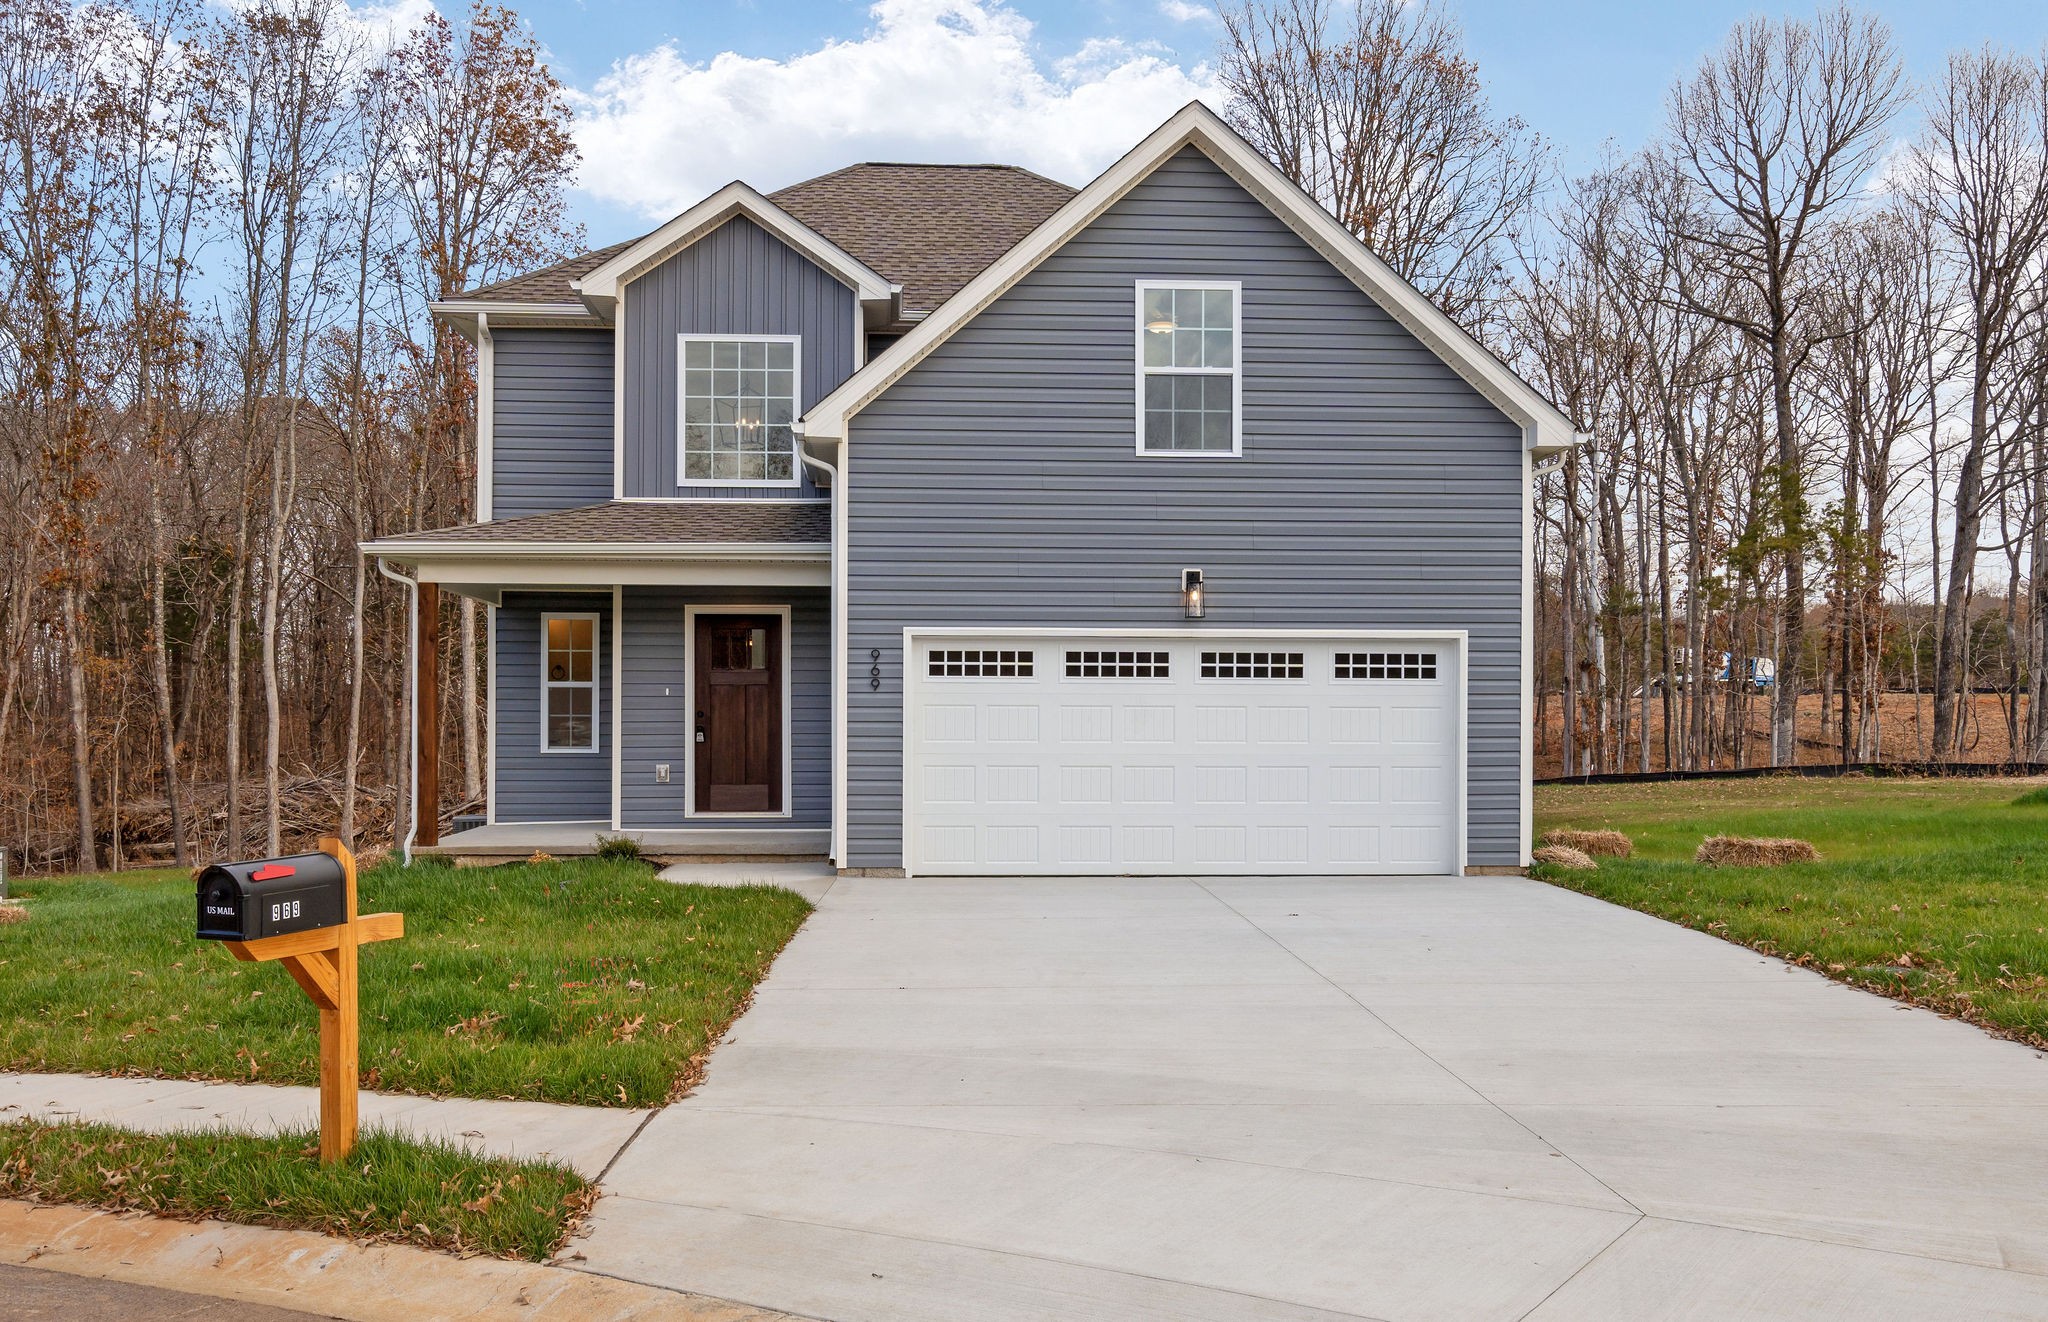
(551, 433)
(655, 688)
(533, 785)
(997, 485)
(737, 280)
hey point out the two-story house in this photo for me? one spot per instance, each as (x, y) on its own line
(946, 519)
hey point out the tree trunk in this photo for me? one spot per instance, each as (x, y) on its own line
(81, 727)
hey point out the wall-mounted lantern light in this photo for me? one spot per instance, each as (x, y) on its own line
(1194, 596)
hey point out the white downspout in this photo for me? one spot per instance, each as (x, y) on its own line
(839, 659)
(412, 703)
(486, 413)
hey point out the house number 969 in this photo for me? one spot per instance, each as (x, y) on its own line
(285, 909)
(874, 669)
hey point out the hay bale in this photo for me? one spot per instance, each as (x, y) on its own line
(1600, 844)
(12, 911)
(1735, 851)
(1564, 856)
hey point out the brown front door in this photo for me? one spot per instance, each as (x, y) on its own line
(739, 713)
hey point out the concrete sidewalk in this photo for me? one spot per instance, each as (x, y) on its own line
(1466, 1099)
(584, 1138)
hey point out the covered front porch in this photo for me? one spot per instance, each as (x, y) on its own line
(656, 670)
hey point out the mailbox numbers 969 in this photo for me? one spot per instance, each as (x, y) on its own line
(284, 910)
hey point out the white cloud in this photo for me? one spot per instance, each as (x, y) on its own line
(1180, 11)
(931, 80)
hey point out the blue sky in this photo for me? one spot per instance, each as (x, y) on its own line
(676, 98)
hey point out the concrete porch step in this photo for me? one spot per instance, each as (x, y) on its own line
(508, 841)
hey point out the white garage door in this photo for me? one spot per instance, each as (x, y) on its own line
(1182, 753)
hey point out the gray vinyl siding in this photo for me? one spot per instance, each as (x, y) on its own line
(536, 786)
(997, 485)
(656, 696)
(552, 421)
(737, 280)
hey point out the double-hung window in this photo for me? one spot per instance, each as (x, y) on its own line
(738, 410)
(568, 684)
(1188, 382)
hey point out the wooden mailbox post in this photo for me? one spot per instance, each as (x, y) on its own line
(322, 960)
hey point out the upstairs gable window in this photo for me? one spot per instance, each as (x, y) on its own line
(738, 410)
(1187, 368)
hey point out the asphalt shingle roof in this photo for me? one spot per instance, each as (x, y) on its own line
(929, 228)
(643, 523)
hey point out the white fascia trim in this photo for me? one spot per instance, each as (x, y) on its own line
(803, 551)
(1196, 125)
(464, 314)
(600, 288)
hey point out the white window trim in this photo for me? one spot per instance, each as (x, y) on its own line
(1236, 288)
(594, 684)
(796, 404)
(690, 614)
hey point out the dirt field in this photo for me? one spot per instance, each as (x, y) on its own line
(1901, 735)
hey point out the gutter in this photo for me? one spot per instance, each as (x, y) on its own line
(839, 654)
(801, 551)
(412, 704)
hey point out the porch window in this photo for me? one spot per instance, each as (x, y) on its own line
(738, 411)
(569, 684)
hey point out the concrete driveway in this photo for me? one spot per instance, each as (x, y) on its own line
(1456, 1099)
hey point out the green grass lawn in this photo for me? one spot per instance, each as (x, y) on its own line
(390, 1189)
(572, 981)
(1932, 891)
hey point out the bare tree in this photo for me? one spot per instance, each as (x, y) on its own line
(1379, 115)
(484, 159)
(1776, 130)
(1984, 166)
(54, 185)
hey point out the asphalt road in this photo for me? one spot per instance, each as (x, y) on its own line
(27, 1293)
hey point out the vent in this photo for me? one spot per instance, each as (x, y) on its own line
(1386, 665)
(1251, 665)
(1117, 665)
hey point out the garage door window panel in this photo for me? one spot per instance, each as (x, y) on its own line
(980, 663)
(1090, 664)
(1252, 665)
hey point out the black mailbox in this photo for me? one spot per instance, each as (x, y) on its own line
(271, 896)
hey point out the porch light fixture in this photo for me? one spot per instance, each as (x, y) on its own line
(1193, 595)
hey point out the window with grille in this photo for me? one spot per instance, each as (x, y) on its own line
(739, 400)
(1251, 665)
(1386, 665)
(1117, 665)
(569, 684)
(1187, 368)
(980, 663)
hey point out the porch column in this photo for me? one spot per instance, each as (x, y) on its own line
(427, 737)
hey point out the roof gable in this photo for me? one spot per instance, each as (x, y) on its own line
(1545, 428)
(599, 287)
